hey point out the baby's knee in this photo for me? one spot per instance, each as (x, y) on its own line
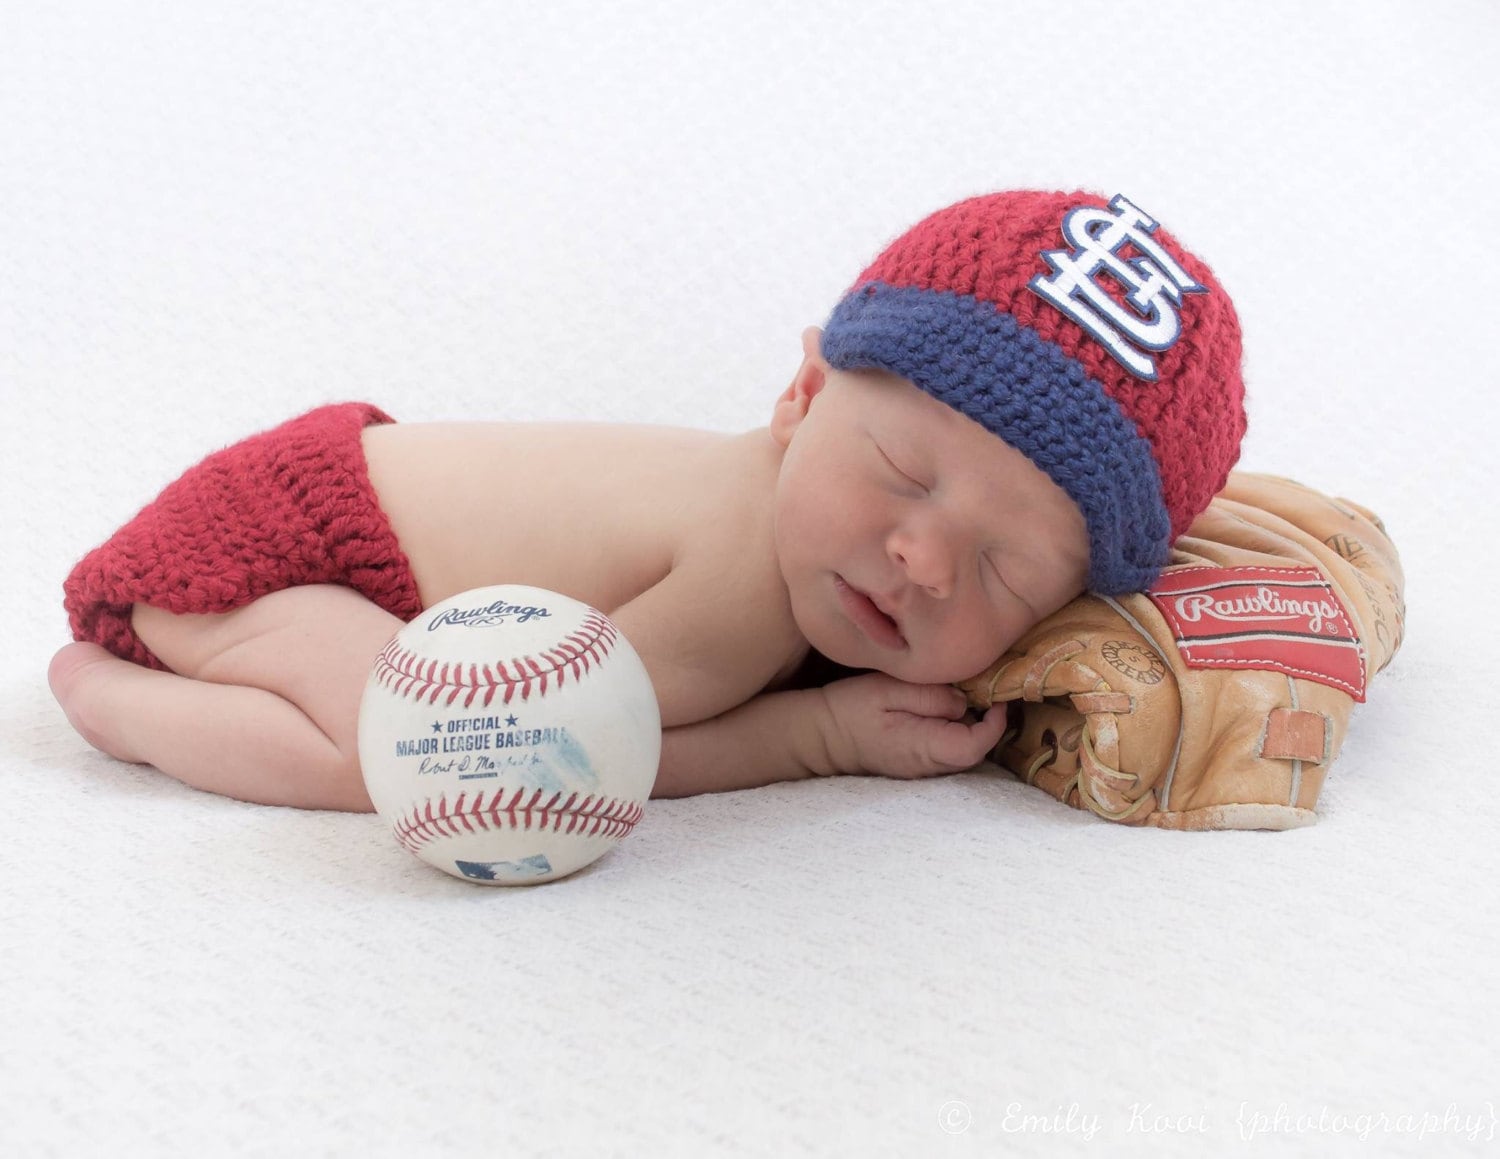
(87, 681)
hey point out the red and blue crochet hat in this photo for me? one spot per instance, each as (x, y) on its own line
(1086, 337)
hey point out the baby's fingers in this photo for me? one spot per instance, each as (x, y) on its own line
(938, 700)
(958, 745)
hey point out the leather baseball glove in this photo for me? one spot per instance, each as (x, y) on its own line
(1218, 699)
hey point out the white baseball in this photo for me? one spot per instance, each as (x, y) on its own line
(509, 735)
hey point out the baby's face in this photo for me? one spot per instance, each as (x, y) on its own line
(911, 539)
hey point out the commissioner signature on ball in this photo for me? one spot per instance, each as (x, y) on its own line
(478, 766)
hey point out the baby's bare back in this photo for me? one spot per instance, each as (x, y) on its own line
(603, 513)
(589, 508)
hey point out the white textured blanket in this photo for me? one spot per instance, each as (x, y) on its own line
(214, 216)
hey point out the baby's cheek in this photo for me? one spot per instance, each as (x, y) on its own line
(985, 642)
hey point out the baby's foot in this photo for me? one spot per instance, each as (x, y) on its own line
(77, 674)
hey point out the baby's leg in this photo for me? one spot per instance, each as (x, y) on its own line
(262, 703)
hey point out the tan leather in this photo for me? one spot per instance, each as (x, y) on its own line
(1219, 699)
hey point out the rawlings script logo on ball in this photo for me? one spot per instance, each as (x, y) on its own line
(1155, 283)
(496, 613)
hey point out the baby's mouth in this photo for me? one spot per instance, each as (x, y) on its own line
(874, 623)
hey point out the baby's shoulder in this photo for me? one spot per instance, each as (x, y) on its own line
(714, 628)
(728, 560)
(728, 526)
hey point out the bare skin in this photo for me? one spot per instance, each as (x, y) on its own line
(868, 521)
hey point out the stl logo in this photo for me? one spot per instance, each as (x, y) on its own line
(1154, 283)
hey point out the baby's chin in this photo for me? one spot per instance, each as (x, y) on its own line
(932, 672)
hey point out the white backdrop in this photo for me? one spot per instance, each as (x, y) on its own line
(214, 216)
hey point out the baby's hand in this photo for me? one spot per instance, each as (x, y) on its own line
(878, 724)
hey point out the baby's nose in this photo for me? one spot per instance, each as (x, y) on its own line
(928, 562)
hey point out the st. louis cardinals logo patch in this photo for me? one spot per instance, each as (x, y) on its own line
(1153, 282)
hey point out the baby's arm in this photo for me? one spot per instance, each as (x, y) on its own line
(871, 723)
(720, 732)
(777, 736)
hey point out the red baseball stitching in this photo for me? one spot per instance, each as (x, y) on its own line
(591, 817)
(408, 674)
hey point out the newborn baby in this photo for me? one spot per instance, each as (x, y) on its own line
(1025, 396)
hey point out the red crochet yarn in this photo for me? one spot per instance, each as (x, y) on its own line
(290, 506)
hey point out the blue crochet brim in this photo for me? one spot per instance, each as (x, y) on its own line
(1030, 393)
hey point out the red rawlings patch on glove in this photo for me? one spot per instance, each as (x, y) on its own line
(1285, 619)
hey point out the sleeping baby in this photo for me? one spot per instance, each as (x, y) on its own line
(1025, 396)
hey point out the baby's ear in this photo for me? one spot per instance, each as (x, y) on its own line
(811, 376)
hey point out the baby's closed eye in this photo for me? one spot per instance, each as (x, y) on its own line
(907, 475)
(990, 564)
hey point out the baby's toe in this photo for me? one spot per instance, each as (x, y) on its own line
(74, 675)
